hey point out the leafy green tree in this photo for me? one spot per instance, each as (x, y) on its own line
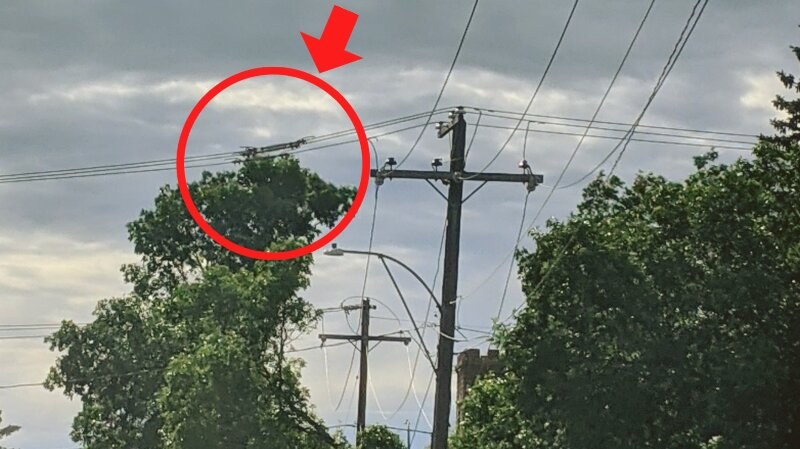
(379, 437)
(661, 314)
(7, 430)
(196, 355)
(491, 419)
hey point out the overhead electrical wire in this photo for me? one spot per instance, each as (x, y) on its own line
(326, 366)
(680, 44)
(474, 133)
(210, 160)
(22, 337)
(201, 161)
(710, 142)
(538, 86)
(701, 136)
(516, 246)
(397, 319)
(683, 38)
(676, 53)
(628, 135)
(535, 118)
(363, 292)
(366, 271)
(444, 84)
(594, 117)
(375, 394)
(142, 371)
(411, 371)
(422, 408)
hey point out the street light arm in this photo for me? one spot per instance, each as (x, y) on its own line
(410, 315)
(398, 262)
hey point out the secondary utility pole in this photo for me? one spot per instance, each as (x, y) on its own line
(364, 338)
(454, 178)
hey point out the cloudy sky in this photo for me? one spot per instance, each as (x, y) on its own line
(93, 82)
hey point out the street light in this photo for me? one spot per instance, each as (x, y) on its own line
(336, 251)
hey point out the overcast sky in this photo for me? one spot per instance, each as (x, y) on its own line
(91, 82)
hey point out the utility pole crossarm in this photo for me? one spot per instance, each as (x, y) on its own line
(404, 340)
(324, 337)
(447, 176)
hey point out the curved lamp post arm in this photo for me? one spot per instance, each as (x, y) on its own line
(338, 251)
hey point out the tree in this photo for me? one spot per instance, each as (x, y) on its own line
(787, 127)
(661, 314)
(7, 430)
(490, 418)
(379, 437)
(197, 354)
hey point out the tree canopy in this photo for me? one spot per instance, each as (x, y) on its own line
(659, 314)
(197, 355)
(379, 437)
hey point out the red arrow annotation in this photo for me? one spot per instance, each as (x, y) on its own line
(329, 50)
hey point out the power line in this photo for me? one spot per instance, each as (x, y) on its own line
(381, 124)
(22, 337)
(413, 369)
(686, 33)
(12, 327)
(538, 86)
(474, 133)
(628, 136)
(326, 366)
(591, 121)
(600, 136)
(593, 125)
(366, 276)
(511, 265)
(399, 321)
(499, 112)
(157, 165)
(142, 371)
(168, 164)
(422, 408)
(444, 84)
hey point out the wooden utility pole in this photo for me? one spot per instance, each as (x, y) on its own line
(454, 178)
(364, 338)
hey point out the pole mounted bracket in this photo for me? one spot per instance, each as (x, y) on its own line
(379, 177)
(380, 174)
(533, 181)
